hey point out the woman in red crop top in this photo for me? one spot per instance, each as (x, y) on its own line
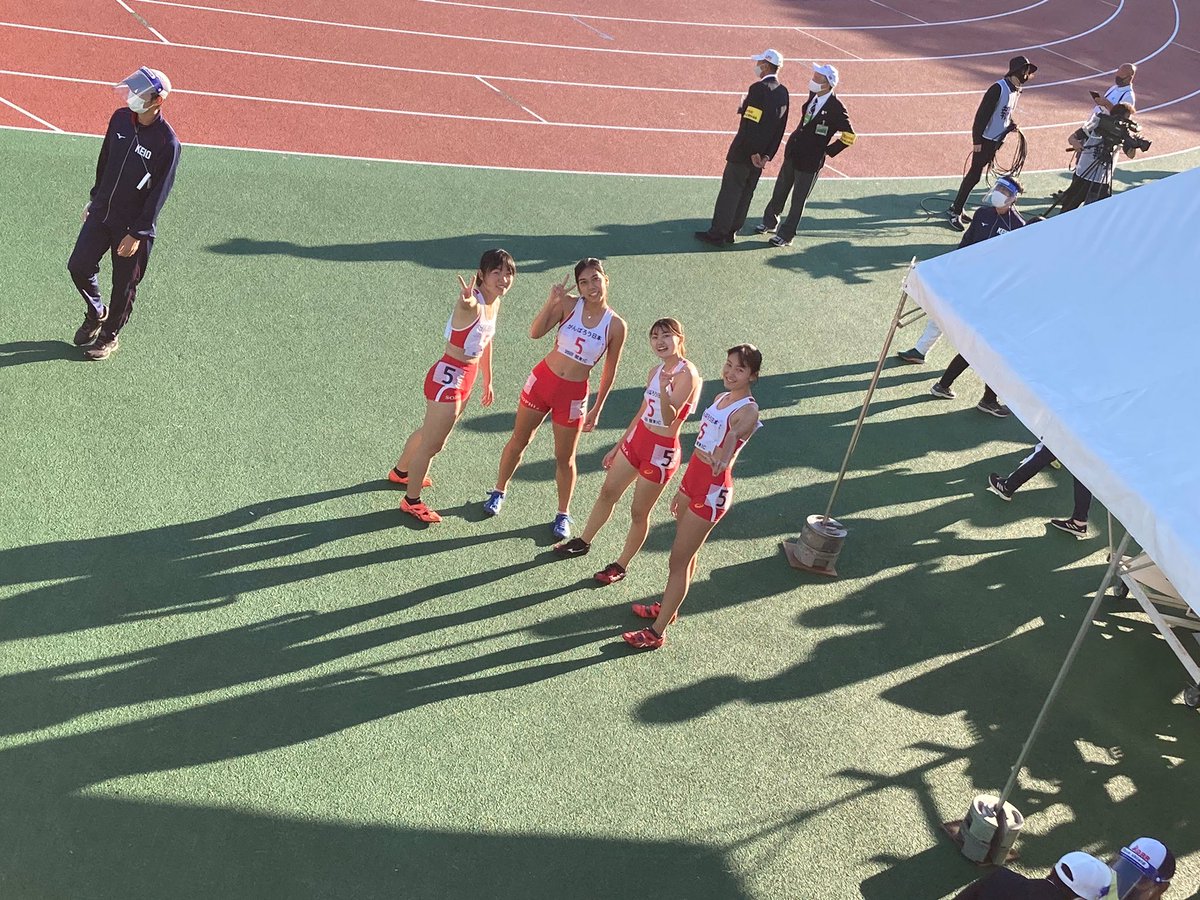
(587, 329)
(449, 382)
(649, 448)
(707, 488)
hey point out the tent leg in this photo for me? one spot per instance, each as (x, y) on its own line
(821, 539)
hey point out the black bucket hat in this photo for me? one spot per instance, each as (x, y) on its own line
(1020, 63)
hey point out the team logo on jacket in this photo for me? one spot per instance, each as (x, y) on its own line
(142, 151)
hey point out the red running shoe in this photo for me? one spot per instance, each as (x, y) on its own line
(610, 574)
(651, 611)
(419, 511)
(396, 478)
(646, 639)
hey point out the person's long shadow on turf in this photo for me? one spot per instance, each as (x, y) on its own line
(849, 262)
(195, 566)
(271, 648)
(19, 353)
(534, 252)
(952, 594)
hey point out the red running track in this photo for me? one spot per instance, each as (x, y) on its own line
(624, 87)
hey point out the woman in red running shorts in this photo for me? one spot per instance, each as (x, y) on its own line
(707, 488)
(558, 386)
(649, 448)
(448, 383)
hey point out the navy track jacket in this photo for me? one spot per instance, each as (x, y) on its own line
(134, 173)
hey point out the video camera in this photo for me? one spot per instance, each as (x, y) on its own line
(1114, 130)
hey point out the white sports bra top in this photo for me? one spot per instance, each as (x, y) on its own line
(473, 339)
(582, 344)
(653, 412)
(715, 424)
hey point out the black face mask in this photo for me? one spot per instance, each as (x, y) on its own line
(1123, 82)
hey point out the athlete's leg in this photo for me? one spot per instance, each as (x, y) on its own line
(690, 533)
(645, 495)
(566, 439)
(524, 428)
(429, 439)
(620, 475)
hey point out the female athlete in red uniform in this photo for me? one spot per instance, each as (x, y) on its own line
(649, 447)
(448, 384)
(707, 488)
(558, 385)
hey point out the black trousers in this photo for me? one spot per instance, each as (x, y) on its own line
(1038, 460)
(789, 181)
(979, 162)
(1082, 192)
(738, 182)
(957, 366)
(95, 239)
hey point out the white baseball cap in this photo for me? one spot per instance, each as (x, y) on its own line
(1087, 876)
(771, 56)
(1145, 860)
(830, 73)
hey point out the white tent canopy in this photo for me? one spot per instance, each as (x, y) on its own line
(1088, 327)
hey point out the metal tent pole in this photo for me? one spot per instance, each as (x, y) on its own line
(1109, 574)
(862, 413)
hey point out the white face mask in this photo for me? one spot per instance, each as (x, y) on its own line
(998, 199)
(816, 87)
(137, 104)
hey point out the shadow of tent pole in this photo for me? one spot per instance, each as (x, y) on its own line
(820, 541)
(985, 834)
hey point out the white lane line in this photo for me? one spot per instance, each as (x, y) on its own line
(743, 25)
(385, 110)
(141, 21)
(1070, 60)
(1186, 47)
(261, 54)
(512, 100)
(900, 12)
(443, 165)
(836, 171)
(26, 112)
(583, 49)
(812, 37)
(579, 21)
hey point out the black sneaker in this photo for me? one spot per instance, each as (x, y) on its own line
(942, 393)
(710, 238)
(994, 408)
(998, 487)
(957, 220)
(913, 357)
(105, 346)
(87, 332)
(1070, 526)
(573, 547)
(763, 229)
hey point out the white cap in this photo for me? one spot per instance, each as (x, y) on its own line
(165, 81)
(830, 73)
(771, 56)
(1087, 876)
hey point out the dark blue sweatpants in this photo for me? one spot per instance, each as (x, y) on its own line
(95, 239)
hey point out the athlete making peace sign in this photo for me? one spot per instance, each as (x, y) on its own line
(707, 489)
(649, 448)
(558, 386)
(448, 384)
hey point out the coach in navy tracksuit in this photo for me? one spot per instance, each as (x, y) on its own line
(133, 178)
(763, 120)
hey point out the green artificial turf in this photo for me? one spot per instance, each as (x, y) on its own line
(231, 668)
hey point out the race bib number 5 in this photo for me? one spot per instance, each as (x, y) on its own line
(448, 375)
(719, 497)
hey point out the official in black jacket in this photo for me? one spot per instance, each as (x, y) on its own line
(134, 175)
(763, 117)
(824, 131)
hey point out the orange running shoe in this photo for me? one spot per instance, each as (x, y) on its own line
(646, 639)
(651, 611)
(419, 511)
(395, 477)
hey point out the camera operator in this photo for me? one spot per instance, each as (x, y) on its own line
(1092, 178)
